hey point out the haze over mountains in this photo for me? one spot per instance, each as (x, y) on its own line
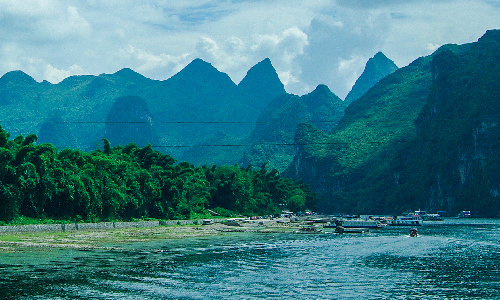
(383, 149)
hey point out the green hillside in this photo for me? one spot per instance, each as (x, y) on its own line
(423, 137)
(273, 137)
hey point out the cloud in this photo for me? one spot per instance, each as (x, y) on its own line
(339, 46)
(235, 56)
(149, 62)
(40, 21)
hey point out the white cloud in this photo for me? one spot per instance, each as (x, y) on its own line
(289, 44)
(55, 75)
(39, 68)
(41, 21)
(287, 78)
(149, 62)
(235, 57)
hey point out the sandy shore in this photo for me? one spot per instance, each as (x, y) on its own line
(99, 239)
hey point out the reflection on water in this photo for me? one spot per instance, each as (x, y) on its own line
(448, 260)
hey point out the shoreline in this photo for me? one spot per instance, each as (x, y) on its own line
(89, 238)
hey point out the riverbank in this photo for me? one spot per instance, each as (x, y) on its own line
(86, 236)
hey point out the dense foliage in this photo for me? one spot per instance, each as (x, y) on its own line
(273, 138)
(425, 137)
(39, 181)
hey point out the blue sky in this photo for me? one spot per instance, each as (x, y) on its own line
(309, 42)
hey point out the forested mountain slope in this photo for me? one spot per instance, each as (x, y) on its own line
(424, 137)
(273, 137)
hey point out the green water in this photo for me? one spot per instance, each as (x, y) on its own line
(451, 259)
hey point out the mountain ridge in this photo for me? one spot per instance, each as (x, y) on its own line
(377, 67)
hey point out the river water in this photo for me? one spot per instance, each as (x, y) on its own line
(455, 258)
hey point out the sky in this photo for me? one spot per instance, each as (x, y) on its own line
(309, 42)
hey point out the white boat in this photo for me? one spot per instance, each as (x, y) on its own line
(406, 221)
(355, 223)
(308, 229)
(428, 217)
(464, 214)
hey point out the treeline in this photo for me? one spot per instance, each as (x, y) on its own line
(123, 183)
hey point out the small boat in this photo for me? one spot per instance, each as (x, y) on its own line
(406, 221)
(354, 223)
(428, 217)
(413, 232)
(342, 230)
(308, 229)
(464, 214)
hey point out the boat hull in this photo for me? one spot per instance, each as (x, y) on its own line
(406, 222)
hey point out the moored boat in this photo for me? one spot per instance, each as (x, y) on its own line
(406, 221)
(428, 217)
(464, 214)
(342, 230)
(355, 223)
(308, 229)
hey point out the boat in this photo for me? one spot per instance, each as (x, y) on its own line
(355, 223)
(406, 221)
(428, 217)
(464, 214)
(308, 229)
(413, 232)
(342, 230)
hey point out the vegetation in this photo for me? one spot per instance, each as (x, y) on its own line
(273, 139)
(39, 181)
(425, 137)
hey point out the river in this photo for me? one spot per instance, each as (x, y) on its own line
(455, 258)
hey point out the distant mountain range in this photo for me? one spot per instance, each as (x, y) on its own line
(199, 115)
(185, 110)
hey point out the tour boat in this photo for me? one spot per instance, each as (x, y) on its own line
(428, 217)
(355, 223)
(407, 221)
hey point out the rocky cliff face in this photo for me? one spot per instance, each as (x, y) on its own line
(459, 132)
(426, 136)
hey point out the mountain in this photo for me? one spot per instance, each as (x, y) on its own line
(339, 166)
(56, 132)
(376, 68)
(261, 84)
(194, 105)
(9, 88)
(130, 121)
(273, 138)
(458, 132)
(425, 136)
